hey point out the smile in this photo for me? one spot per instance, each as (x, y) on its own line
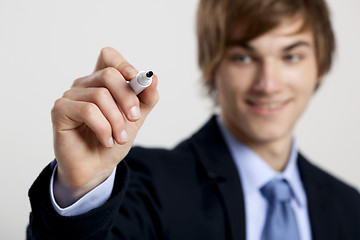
(268, 107)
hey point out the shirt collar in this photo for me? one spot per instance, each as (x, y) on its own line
(255, 172)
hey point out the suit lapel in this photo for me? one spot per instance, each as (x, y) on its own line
(319, 201)
(219, 166)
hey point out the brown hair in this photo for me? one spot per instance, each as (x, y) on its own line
(217, 18)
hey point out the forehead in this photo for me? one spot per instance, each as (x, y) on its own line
(287, 31)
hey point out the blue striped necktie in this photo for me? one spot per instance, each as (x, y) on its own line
(280, 221)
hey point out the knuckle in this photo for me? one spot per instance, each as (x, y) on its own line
(101, 93)
(57, 108)
(105, 52)
(108, 74)
(67, 94)
(77, 82)
(88, 110)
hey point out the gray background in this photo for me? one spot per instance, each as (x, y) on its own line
(45, 45)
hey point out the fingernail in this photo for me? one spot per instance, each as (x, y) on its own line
(134, 113)
(124, 136)
(130, 71)
(111, 142)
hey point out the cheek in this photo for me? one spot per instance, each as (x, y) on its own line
(228, 91)
(231, 82)
(303, 80)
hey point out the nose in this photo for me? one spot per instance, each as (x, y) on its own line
(268, 78)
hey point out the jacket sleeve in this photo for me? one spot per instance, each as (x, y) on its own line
(133, 216)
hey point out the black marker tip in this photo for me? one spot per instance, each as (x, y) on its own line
(149, 74)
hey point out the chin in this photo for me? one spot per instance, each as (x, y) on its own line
(265, 137)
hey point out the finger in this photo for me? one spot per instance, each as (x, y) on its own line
(68, 114)
(107, 105)
(111, 79)
(150, 96)
(109, 57)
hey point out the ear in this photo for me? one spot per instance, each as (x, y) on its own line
(320, 79)
(319, 82)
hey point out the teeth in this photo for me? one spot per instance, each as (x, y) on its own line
(269, 105)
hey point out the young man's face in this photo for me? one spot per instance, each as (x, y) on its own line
(264, 85)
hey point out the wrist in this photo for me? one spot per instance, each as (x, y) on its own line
(66, 192)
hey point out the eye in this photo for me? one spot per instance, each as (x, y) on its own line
(292, 58)
(241, 58)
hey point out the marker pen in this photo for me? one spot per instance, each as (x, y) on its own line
(142, 80)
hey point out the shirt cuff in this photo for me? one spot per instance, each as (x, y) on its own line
(89, 201)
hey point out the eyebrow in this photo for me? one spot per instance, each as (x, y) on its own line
(295, 45)
(247, 46)
(239, 43)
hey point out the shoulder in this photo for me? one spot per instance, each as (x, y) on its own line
(341, 193)
(182, 158)
(160, 159)
(331, 201)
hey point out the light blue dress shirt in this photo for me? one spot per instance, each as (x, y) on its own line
(254, 173)
(89, 201)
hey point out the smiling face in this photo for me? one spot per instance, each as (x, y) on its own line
(264, 85)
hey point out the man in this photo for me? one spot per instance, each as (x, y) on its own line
(262, 60)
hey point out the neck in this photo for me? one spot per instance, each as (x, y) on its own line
(273, 153)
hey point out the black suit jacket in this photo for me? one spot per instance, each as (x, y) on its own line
(190, 192)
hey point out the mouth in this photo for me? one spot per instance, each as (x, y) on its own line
(268, 107)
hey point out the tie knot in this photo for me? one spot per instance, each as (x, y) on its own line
(277, 190)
